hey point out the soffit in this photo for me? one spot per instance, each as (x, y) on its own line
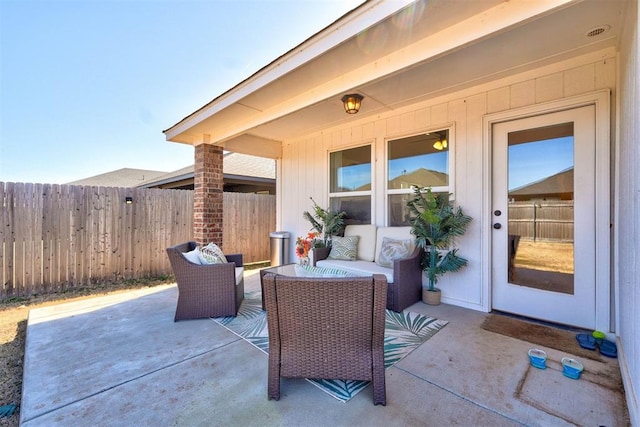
(534, 42)
(416, 23)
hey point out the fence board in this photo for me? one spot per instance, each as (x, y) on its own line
(542, 220)
(35, 243)
(21, 234)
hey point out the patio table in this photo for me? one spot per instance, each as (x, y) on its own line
(283, 270)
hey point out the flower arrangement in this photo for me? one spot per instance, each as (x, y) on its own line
(304, 244)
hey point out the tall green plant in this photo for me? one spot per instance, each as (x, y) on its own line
(325, 221)
(436, 224)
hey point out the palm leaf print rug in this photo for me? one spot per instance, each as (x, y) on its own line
(404, 332)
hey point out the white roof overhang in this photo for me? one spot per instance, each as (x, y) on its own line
(395, 53)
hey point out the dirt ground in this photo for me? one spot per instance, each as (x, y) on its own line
(547, 256)
(13, 325)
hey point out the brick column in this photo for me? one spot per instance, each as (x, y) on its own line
(208, 197)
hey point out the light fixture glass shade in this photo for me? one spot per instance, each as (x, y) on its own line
(352, 103)
(440, 144)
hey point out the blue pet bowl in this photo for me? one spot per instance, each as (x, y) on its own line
(538, 358)
(571, 368)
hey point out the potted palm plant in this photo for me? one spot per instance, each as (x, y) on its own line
(326, 223)
(436, 223)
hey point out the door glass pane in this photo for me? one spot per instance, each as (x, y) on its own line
(541, 216)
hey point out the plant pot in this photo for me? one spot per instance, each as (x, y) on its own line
(431, 297)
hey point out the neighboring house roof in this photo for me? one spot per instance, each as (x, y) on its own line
(236, 166)
(125, 177)
(243, 164)
(558, 184)
(409, 179)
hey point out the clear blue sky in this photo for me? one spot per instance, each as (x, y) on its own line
(535, 161)
(88, 86)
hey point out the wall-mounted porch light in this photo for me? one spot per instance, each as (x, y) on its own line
(352, 102)
(128, 200)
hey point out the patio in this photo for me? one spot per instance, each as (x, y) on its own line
(121, 360)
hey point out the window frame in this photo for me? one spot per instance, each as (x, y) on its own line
(450, 189)
(343, 194)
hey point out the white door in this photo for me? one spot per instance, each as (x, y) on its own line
(543, 214)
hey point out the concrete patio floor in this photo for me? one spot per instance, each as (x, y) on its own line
(120, 360)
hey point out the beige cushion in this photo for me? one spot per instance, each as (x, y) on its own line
(344, 248)
(393, 249)
(358, 268)
(367, 242)
(212, 254)
(239, 274)
(193, 256)
(397, 233)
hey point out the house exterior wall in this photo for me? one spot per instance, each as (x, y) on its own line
(304, 164)
(627, 229)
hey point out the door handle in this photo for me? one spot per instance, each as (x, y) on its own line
(497, 226)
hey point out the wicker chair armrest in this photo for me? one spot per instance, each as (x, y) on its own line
(236, 258)
(320, 254)
(410, 262)
(407, 282)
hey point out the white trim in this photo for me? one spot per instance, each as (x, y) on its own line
(615, 266)
(601, 100)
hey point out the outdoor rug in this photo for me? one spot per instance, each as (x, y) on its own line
(404, 332)
(547, 336)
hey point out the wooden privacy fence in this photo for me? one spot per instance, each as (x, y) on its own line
(248, 220)
(546, 220)
(56, 237)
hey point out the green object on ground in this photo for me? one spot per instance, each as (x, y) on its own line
(7, 410)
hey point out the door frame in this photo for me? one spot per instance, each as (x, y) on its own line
(604, 283)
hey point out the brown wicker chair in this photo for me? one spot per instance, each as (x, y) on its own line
(205, 290)
(329, 328)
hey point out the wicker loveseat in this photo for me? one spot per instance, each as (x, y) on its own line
(212, 290)
(330, 328)
(404, 278)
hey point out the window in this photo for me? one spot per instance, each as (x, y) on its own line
(419, 160)
(350, 183)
